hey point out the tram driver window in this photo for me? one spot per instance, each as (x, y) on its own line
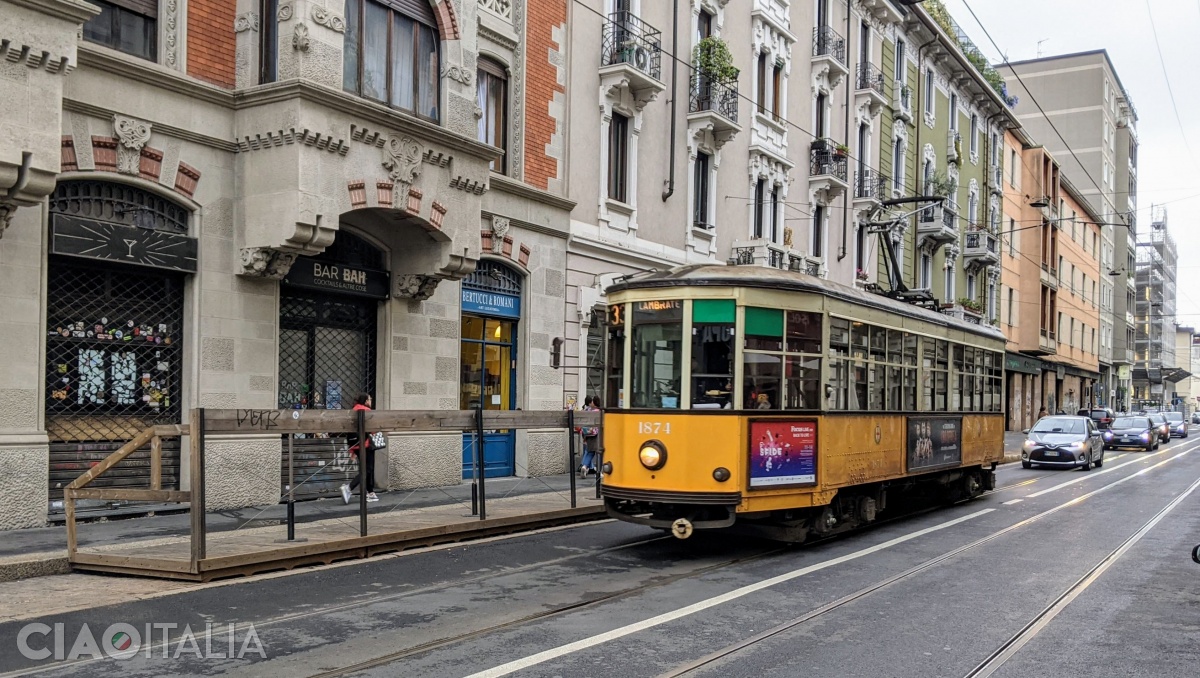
(802, 386)
(713, 322)
(657, 354)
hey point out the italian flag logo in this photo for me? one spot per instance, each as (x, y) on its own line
(121, 641)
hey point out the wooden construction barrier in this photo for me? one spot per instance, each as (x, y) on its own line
(202, 422)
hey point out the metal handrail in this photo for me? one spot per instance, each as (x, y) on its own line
(870, 77)
(710, 94)
(828, 42)
(630, 40)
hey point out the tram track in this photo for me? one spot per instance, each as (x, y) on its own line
(1011, 646)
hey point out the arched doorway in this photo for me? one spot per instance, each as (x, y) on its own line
(118, 261)
(328, 309)
(491, 314)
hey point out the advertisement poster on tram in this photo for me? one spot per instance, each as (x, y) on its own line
(783, 453)
(934, 442)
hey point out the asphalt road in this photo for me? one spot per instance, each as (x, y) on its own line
(1057, 573)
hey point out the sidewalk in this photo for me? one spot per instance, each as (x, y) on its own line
(42, 551)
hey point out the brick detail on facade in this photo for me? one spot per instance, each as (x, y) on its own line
(186, 179)
(150, 163)
(358, 193)
(541, 84)
(211, 41)
(448, 20)
(384, 189)
(69, 163)
(104, 152)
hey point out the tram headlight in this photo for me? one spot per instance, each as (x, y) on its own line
(721, 474)
(653, 455)
(606, 468)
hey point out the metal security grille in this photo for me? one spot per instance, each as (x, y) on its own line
(493, 276)
(113, 367)
(118, 204)
(326, 358)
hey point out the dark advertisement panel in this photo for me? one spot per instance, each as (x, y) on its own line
(783, 453)
(934, 442)
(124, 244)
(332, 277)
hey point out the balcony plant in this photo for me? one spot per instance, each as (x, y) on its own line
(860, 274)
(713, 60)
(939, 184)
(971, 305)
(841, 150)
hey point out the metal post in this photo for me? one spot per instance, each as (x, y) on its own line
(479, 469)
(571, 451)
(196, 505)
(291, 509)
(362, 474)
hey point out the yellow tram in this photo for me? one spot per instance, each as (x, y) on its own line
(789, 405)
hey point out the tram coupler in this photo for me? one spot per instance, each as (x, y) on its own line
(682, 528)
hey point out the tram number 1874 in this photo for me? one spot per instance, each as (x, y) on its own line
(654, 427)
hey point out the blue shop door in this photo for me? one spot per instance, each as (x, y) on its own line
(499, 455)
(489, 377)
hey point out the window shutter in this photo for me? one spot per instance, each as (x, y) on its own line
(419, 10)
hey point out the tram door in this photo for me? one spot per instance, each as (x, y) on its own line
(491, 311)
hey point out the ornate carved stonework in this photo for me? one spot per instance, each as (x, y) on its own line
(402, 158)
(300, 38)
(500, 228)
(171, 23)
(330, 20)
(265, 262)
(516, 149)
(457, 73)
(415, 287)
(133, 135)
(246, 22)
(7, 210)
(285, 12)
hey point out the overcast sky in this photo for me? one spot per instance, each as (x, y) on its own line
(1168, 170)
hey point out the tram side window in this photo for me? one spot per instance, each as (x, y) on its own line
(614, 370)
(657, 354)
(713, 322)
(802, 378)
(839, 363)
(936, 362)
(958, 385)
(763, 372)
(995, 370)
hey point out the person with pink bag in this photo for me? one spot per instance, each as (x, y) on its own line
(591, 439)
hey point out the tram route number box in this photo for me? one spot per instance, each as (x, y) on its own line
(783, 453)
(934, 442)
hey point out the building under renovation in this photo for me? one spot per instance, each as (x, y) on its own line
(1155, 369)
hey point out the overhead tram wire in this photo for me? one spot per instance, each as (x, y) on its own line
(1167, 78)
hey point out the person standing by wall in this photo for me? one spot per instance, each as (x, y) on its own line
(362, 402)
(591, 438)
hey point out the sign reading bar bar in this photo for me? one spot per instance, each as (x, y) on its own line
(330, 277)
(491, 303)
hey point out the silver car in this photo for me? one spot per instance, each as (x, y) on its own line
(1063, 441)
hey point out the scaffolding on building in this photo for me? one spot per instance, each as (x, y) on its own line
(1154, 315)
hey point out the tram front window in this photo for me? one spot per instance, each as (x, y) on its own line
(657, 354)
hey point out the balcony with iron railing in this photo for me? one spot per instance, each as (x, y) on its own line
(937, 224)
(981, 248)
(828, 169)
(760, 252)
(870, 185)
(631, 57)
(829, 51)
(714, 102)
(869, 88)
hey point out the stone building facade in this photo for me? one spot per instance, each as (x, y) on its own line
(261, 204)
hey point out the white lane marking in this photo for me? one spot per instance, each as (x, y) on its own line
(1010, 502)
(1027, 634)
(1094, 474)
(562, 650)
(554, 653)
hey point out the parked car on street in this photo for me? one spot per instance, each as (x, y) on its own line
(1164, 427)
(1196, 417)
(1063, 441)
(1179, 425)
(1101, 415)
(1132, 431)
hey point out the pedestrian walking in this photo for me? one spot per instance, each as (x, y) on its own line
(362, 402)
(591, 438)
(1042, 412)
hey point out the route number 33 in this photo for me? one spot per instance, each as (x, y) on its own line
(654, 427)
